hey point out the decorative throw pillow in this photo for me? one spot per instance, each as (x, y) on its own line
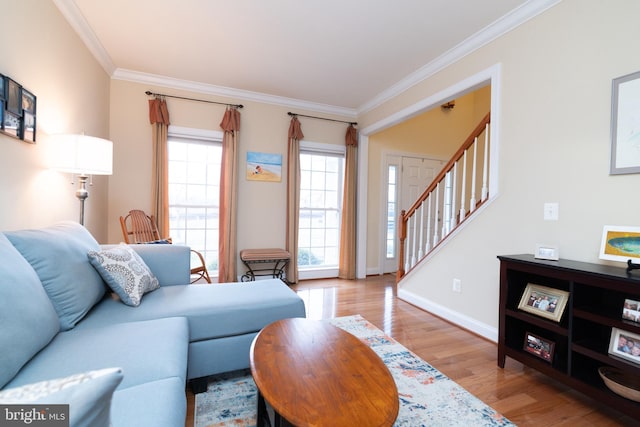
(88, 395)
(125, 273)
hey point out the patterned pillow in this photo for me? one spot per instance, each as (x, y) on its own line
(125, 273)
(88, 395)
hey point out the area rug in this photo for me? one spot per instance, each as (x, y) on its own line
(427, 397)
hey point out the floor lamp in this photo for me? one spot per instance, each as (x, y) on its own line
(83, 156)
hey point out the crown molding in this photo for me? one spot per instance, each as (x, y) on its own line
(497, 29)
(227, 92)
(72, 14)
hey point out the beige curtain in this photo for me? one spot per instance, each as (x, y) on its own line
(227, 250)
(159, 118)
(293, 197)
(347, 263)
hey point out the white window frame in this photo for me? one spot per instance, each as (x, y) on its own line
(325, 149)
(200, 136)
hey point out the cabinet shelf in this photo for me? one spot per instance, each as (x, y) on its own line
(581, 338)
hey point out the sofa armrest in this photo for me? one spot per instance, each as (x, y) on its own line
(171, 264)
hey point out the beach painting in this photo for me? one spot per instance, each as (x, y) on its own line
(620, 243)
(264, 167)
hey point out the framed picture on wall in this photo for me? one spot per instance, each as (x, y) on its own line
(625, 124)
(14, 96)
(544, 301)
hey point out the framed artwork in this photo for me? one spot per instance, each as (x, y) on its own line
(12, 124)
(29, 128)
(264, 167)
(539, 347)
(543, 301)
(625, 344)
(620, 243)
(14, 96)
(28, 101)
(631, 310)
(625, 124)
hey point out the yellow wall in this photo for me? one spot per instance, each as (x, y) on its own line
(555, 85)
(42, 52)
(264, 128)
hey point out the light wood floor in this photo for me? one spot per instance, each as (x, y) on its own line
(521, 394)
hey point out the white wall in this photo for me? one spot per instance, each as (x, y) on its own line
(42, 52)
(554, 147)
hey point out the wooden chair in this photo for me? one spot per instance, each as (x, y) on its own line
(138, 227)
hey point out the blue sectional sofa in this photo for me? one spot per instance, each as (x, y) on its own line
(65, 337)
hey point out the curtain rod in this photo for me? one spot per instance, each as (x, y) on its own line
(322, 118)
(194, 99)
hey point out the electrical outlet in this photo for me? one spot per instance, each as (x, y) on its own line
(457, 285)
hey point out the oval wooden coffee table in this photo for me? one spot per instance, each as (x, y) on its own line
(315, 374)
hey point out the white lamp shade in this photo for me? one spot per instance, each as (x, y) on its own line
(81, 154)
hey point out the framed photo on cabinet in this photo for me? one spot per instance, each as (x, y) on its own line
(544, 301)
(625, 344)
(539, 347)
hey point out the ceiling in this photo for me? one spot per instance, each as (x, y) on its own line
(343, 56)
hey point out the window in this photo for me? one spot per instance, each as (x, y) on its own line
(321, 182)
(392, 185)
(194, 190)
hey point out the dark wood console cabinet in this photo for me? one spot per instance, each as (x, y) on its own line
(596, 297)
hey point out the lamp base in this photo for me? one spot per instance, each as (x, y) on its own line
(82, 193)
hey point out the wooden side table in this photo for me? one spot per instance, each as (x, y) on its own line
(278, 259)
(315, 374)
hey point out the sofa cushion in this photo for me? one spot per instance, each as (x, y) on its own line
(125, 273)
(146, 351)
(88, 395)
(28, 321)
(160, 403)
(214, 311)
(59, 256)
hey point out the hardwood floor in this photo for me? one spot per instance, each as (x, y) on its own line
(520, 393)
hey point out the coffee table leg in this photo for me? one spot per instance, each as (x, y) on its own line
(262, 418)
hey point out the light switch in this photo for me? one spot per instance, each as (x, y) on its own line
(551, 211)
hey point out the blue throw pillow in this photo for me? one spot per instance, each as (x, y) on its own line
(59, 255)
(28, 321)
(125, 273)
(87, 394)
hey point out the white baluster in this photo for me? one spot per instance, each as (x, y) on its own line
(413, 252)
(421, 244)
(446, 202)
(472, 202)
(453, 198)
(428, 246)
(485, 167)
(436, 213)
(463, 195)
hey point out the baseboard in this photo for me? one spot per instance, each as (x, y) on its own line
(449, 315)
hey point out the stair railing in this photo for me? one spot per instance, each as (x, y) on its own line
(443, 205)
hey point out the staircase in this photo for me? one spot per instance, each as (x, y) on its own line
(452, 198)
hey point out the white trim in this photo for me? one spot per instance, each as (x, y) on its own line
(319, 273)
(321, 147)
(460, 319)
(228, 92)
(361, 211)
(72, 14)
(195, 133)
(503, 25)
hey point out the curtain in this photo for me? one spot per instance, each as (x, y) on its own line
(227, 268)
(347, 263)
(159, 119)
(293, 197)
